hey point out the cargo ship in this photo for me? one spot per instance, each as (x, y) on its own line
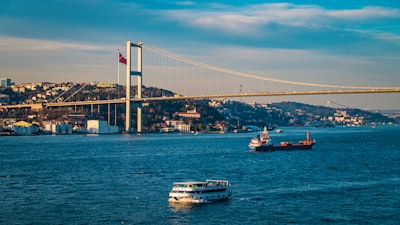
(263, 143)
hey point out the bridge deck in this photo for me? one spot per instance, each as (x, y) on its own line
(119, 101)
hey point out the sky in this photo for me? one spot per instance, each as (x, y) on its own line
(353, 42)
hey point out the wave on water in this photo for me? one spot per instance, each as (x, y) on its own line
(338, 185)
(255, 198)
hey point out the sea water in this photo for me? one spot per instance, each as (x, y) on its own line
(351, 176)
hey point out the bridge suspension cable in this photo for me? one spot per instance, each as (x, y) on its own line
(246, 75)
(96, 67)
(62, 94)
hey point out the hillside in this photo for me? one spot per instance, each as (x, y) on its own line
(295, 114)
(214, 115)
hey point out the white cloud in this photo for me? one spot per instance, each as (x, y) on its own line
(231, 22)
(37, 45)
(241, 20)
(365, 14)
(185, 3)
(31, 60)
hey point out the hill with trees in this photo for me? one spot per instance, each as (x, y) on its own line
(215, 114)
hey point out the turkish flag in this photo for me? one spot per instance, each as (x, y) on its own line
(122, 59)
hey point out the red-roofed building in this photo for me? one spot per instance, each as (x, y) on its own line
(189, 114)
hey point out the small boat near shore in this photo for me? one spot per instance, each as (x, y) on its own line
(263, 143)
(279, 131)
(200, 191)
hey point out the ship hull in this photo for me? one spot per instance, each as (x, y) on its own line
(200, 198)
(267, 148)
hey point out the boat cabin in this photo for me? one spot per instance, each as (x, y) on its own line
(189, 185)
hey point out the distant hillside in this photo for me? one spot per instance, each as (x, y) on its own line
(293, 113)
(368, 117)
(215, 114)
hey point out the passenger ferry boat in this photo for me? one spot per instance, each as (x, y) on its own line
(200, 191)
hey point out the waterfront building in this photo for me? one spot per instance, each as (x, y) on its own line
(100, 127)
(24, 128)
(184, 128)
(178, 125)
(58, 128)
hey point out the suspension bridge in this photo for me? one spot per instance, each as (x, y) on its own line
(191, 79)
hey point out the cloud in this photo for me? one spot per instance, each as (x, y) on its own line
(185, 3)
(288, 25)
(37, 45)
(30, 60)
(279, 13)
(365, 14)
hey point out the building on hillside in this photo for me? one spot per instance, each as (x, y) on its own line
(5, 82)
(100, 127)
(18, 88)
(106, 85)
(4, 99)
(189, 114)
(341, 117)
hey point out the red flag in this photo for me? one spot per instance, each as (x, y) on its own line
(122, 59)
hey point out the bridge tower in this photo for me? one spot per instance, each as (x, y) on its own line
(130, 73)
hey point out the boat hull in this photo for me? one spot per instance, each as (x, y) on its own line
(200, 198)
(267, 148)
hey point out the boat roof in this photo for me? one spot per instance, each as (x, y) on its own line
(191, 182)
(199, 182)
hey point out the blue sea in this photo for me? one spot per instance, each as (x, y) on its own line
(351, 176)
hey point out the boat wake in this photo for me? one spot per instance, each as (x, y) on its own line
(257, 198)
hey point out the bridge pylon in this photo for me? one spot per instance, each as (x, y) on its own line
(130, 73)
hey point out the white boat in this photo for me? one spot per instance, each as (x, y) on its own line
(261, 140)
(200, 191)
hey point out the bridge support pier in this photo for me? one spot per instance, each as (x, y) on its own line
(130, 73)
(139, 88)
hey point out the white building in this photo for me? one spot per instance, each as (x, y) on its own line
(100, 127)
(178, 125)
(184, 128)
(189, 114)
(58, 128)
(5, 82)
